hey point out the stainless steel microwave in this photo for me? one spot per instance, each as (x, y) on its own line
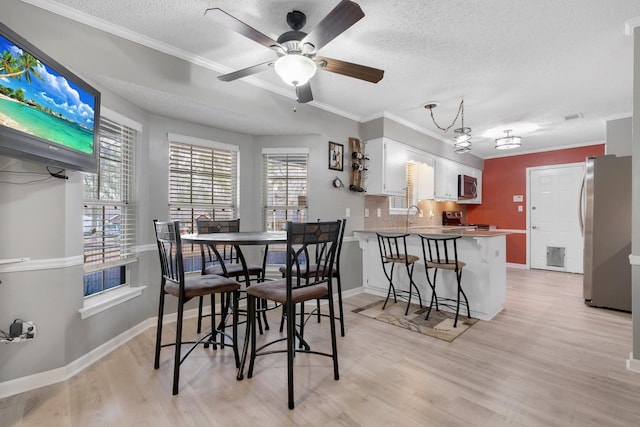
(467, 187)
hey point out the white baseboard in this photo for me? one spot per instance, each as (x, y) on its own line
(633, 364)
(520, 266)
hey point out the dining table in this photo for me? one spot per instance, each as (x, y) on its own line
(238, 239)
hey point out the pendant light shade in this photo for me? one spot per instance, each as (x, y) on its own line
(508, 142)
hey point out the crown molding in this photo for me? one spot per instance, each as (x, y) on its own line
(630, 25)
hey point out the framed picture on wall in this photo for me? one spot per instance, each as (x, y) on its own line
(336, 156)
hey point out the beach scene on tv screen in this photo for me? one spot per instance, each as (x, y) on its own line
(37, 100)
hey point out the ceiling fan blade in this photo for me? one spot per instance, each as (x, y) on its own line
(362, 72)
(234, 24)
(344, 15)
(246, 72)
(304, 93)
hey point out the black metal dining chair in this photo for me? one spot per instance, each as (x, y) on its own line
(297, 287)
(175, 283)
(441, 253)
(223, 260)
(318, 254)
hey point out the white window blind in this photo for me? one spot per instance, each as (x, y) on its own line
(203, 182)
(402, 202)
(109, 208)
(285, 189)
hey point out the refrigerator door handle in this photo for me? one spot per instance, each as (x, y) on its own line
(581, 202)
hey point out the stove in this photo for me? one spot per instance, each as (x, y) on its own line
(455, 218)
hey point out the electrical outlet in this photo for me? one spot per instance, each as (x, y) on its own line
(20, 331)
(378, 212)
(366, 212)
(347, 212)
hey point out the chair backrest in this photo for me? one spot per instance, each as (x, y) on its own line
(321, 235)
(220, 254)
(440, 250)
(393, 247)
(170, 250)
(319, 253)
(217, 226)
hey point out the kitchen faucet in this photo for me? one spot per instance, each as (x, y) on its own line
(408, 210)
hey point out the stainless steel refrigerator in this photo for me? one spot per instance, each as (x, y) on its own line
(606, 223)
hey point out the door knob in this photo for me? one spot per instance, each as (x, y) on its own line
(534, 227)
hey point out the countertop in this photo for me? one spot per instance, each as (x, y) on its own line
(438, 230)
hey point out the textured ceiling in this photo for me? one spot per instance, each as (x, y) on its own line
(515, 62)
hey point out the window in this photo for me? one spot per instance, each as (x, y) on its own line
(109, 209)
(203, 183)
(284, 192)
(399, 204)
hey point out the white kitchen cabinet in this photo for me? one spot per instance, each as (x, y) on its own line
(446, 179)
(387, 167)
(422, 183)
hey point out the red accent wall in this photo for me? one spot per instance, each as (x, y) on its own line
(504, 177)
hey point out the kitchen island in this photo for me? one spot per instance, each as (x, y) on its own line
(483, 277)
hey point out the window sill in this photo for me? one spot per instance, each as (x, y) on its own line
(100, 303)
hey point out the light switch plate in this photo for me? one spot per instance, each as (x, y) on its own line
(366, 212)
(347, 212)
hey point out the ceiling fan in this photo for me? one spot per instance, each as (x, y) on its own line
(297, 61)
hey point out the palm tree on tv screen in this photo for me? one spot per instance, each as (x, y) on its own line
(23, 66)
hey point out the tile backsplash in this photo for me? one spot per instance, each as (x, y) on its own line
(428, 207)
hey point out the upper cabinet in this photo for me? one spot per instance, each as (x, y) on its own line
(446, 179)
(387, 167)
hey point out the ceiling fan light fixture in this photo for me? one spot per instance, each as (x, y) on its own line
(508, 142)
(294, 69)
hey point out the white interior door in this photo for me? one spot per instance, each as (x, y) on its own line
(555, 239)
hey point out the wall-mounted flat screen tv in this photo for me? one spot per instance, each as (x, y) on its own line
(47, 113)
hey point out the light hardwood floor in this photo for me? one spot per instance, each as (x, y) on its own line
(546, 360)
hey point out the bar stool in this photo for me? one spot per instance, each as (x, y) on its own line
(393, 251)
(442, 253)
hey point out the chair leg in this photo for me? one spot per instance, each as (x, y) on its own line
(234, 327)
(434, 298)
(291, 321)
(251, 324)
(199, 329)
(177, 361)
(282, 318)
(334, 344)
(249, 331)
(340, 306)
(264, 314)
(302, 313)
(214, 331)
(460, 291)
(156, 363)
